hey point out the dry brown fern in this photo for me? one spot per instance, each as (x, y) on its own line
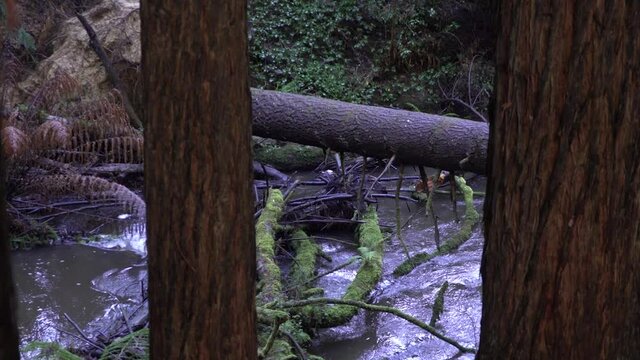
(14, 142)
(123, 149)
(91, 187)
(61, 86)
(52, 134)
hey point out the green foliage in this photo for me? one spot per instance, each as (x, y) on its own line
(134, 346)
(19, 37)
(48, 351)
(340, 49)
(438, 305)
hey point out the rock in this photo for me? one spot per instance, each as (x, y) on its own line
(117, 24)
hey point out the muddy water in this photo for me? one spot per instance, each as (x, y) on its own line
(384, 336)
(89, 283)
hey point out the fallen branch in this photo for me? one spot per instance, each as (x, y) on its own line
(378, 308)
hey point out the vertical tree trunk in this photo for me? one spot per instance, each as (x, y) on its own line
(561, 265)
(198, 179)
(9, 338)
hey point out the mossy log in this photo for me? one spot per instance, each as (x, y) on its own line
(268, 271)
(471, 219)
(371, 249)
(304, 264)
(290, 156)
(272, 321)
(414, 138)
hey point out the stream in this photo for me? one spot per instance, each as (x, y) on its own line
(96, 284)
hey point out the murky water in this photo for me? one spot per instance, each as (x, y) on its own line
(94, 286)
(87, 283)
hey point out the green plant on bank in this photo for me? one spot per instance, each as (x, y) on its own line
(18, 37)
(372, 51)
(48, 351)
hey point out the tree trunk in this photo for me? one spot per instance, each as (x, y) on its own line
(198, 179)
(561, 264)
(415, 138)
(9, 338)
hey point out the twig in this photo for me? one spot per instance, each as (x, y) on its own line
(297, 346)
(326, 198)
(363, 175)
(126, 320)
(272, 337)
(453, 198)
(386, 168)
(94, 344)
(84, 336)
(339, 267)
(398, 218)
(392, 196)
(328, 220)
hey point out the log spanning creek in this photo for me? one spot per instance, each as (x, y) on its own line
(69, 289)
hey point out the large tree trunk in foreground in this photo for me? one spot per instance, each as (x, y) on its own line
(561, 265)
(415, 138)
(9, 338)
(198, 179)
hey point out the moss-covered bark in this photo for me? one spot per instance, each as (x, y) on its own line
(289, 157)
(273, 346)
(471, 219)
(269, 272)
(304, 264)
(369, 273)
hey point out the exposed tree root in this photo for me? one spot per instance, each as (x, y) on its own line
(470, 220)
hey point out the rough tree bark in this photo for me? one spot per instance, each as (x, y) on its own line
(415, 138)
(561, 264)
(8, 307)
(9, 336)
(198, 179)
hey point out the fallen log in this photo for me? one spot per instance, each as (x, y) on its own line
(415, 138)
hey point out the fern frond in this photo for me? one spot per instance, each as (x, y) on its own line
(124, 149)
(11, 69)
(73, 156)
(47, 350)
(59, 87)
(108, 108)
(14, 142)
(52, 134)
(134, 346)
(91, 187)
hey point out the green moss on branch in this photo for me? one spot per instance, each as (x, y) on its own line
(359, 304)
(304, 264)
(369, 273)
(471, 219)
(268, 269)
(289, 157)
